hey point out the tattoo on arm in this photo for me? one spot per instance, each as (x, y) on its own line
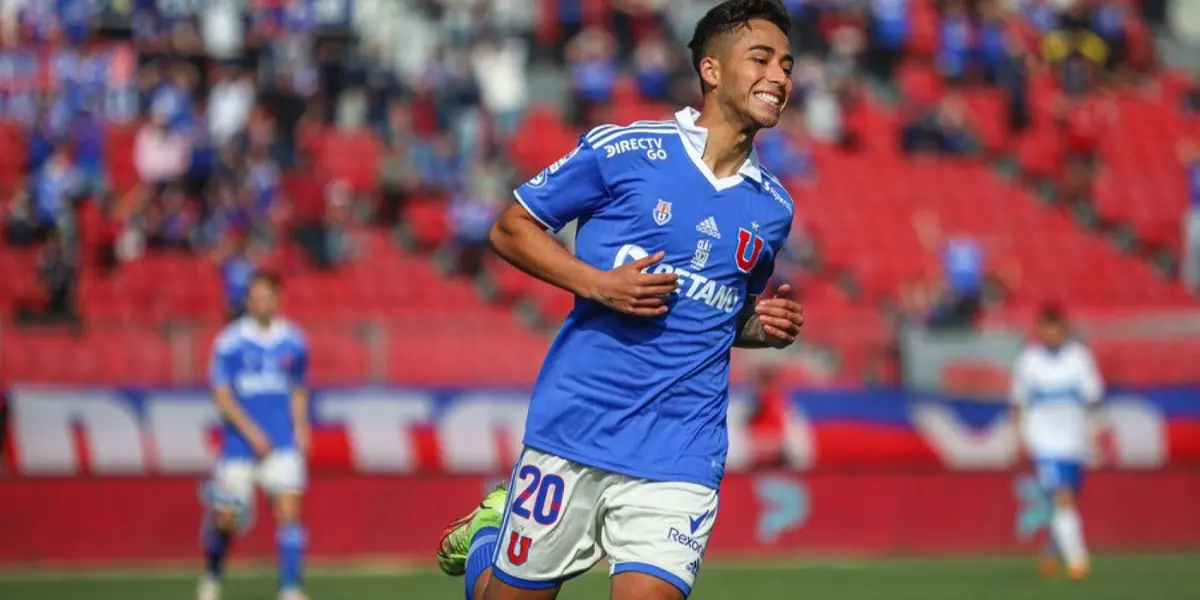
(750, 333)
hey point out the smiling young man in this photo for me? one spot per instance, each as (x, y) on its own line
(626, 437)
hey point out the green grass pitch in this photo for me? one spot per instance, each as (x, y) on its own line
(1124, 577)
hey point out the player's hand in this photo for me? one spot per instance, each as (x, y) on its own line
(780, 316)
(260, 444)
(627, 289)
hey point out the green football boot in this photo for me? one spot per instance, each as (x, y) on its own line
(456, 537)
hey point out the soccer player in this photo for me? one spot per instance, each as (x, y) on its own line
(626, 437)
(258, 372)
(1055, 391)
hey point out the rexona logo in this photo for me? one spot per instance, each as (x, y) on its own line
(692, 286)
(685, 540)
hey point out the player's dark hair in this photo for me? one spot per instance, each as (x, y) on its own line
(731, 15)
(268, 279)
(1052, 314)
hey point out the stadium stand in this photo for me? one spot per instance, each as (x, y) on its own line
(385, 311)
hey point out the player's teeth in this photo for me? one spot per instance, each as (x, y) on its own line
(767, 98)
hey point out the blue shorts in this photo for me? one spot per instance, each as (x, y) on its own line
(1055, 475)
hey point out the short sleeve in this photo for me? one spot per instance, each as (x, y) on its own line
(1093, 383)
(761, 274)
(568, 189)
(298, 370)
(1019, 390)
(222, 364)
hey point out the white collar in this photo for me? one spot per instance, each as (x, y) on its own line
(273, 334)
(695, 139)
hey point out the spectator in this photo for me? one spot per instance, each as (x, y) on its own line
(1012, 77)
(956, 42)
(229, 104)
(993, 43)
(473, 209)
(655, 63)
(1109, 21)
(1189, 155)
(170, 220)
(1075, 50)
(56, 272)
(237, 269)
(499, 66)
(1082, 122)
(785, 152)
(288, 108)
(1040, 15)
(326, 242)
(816, 92)
(88, 135)
(441, 165)
(591, 61)
(161, 155)
(941, 130)
(959, 295)
(50, 198)
(888, 33)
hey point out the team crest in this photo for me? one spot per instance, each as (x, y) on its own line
(748, 248)
(662, 212)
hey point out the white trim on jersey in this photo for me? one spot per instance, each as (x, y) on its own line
(525, 205)
(604, 130)
(695, 139)
(616, 135)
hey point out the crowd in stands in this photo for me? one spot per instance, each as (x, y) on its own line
(222, 105)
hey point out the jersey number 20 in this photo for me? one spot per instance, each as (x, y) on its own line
(547, 493)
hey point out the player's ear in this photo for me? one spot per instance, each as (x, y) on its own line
(710, 71)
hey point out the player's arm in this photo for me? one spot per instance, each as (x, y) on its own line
(1018, 395)
(574, 187)
(1093, 391)
(299, 403)
(230, 410)
(768, 322)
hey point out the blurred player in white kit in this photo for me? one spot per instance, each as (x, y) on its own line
(1056, 390)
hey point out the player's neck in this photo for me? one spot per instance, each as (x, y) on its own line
(263, 323)
(728, 143)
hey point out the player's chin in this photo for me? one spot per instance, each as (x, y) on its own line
(766, 117)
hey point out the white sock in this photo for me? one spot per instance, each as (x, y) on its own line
(1068, 535)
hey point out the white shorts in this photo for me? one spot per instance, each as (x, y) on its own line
(234, 479)
(563, 517)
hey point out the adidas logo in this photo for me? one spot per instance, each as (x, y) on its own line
(694, 567)
(709, 227)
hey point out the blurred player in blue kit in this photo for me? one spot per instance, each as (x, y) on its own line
(678, 229)
(258, 372)
(1056, 390)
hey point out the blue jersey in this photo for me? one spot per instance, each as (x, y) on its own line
(647, 397)
(261, 368)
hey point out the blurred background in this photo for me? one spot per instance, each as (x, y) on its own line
(956, 164)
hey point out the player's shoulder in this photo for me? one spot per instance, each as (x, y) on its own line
(293, 332)
(1029, 354)
(775, 189)
(1078, 350)
(639, 140)
(229, 337)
